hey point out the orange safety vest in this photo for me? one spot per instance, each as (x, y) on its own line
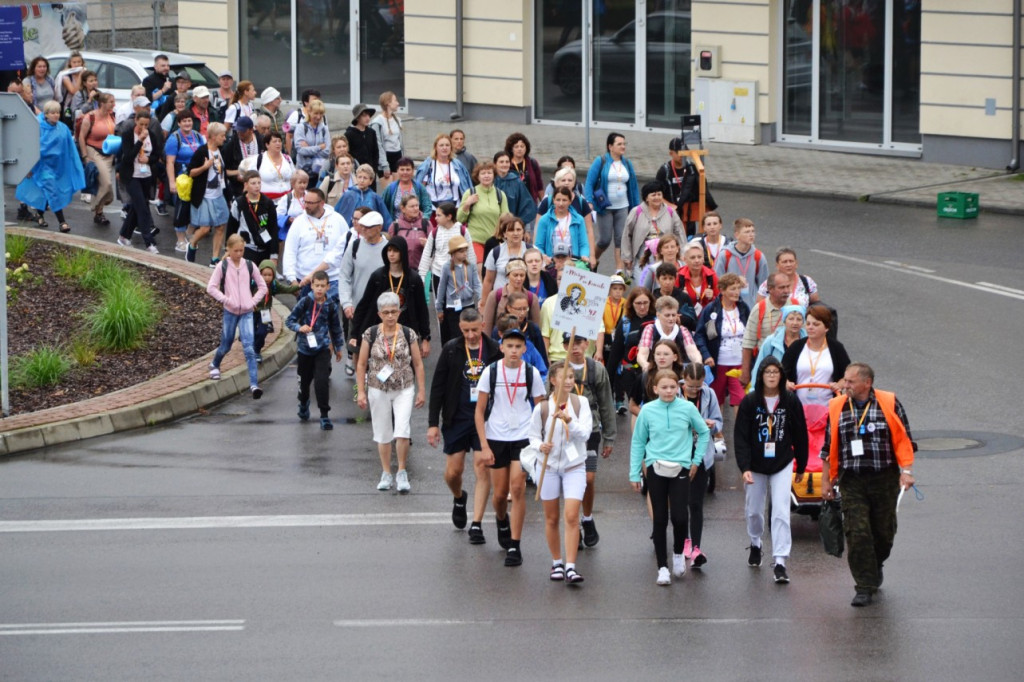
(900, 440)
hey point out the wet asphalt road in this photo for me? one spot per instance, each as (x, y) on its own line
(383, 587)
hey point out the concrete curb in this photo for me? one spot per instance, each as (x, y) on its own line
(175, 394)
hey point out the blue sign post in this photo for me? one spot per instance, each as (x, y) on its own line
(12, 43)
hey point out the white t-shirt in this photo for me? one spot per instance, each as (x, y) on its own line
(618, 188)
(820, 373)
(730, 349)
(444, 185)
(562, 235)
(510, 420)
(215, 177)
(143, 170)
(771, 402)
(235, 110)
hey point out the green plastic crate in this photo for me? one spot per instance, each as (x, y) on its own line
(958, 205)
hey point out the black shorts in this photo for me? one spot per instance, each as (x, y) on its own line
(506, 451)
(460, 438)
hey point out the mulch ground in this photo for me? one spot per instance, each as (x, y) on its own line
(49, 310)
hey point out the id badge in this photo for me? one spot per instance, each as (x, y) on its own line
(265, 316)
(473, 393)
(311, 340)
(457, 305)
(857, 447)
(320, 247)
(769, 450)
(385, 373)
(265, 236)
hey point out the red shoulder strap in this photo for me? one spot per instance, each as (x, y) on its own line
(762, 307)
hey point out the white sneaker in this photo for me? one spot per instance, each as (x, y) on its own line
(182, 247)
(386, 479)
(124, 242)
(152, 249)
(663, 577)
(402, 481)
(86, 198)
(678, 565)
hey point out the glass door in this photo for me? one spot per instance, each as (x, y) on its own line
(322, 48)
(614, 46)
(380, 58)
(667, 55)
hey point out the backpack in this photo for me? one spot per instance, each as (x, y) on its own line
(757, 262)
(833, 331)
(494, 384)
(78, 123)
(224, 273)
(424, 225)
(375, 330)
(546, 406)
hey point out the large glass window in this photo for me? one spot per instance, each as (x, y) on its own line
(906, 77)
(558, 68)
(852, 78)
(265, 55)
(614, 50)
(797, 67)
(668, 62)
(323, 54)
(381, 49)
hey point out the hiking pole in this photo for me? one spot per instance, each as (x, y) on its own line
(551, 433)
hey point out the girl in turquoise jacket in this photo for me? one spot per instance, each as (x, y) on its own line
(663, 449)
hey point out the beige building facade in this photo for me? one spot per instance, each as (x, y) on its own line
(934, 79)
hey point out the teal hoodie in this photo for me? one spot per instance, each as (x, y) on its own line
(665, 431)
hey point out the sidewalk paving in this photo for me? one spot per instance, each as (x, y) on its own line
(762, 168)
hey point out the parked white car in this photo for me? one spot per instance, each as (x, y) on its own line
(119, 70)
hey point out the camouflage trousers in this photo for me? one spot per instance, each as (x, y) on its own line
(869, 522)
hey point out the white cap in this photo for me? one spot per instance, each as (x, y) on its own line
(372, 219)
(200, 92)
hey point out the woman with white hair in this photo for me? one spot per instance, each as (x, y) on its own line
(57, 174)
(390, 381)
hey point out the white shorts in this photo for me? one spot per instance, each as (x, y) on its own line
(569, 484)
(391, 413)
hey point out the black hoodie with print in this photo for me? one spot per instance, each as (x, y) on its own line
(409, 288)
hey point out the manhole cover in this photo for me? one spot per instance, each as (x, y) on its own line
(946, 444)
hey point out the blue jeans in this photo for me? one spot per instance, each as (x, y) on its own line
(243, 323)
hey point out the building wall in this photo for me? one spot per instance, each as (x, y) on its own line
(497, 55)
(209, 29)
(744, 31)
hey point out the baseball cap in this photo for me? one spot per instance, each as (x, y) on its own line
(225, 73)
(565, 338)
(372, 219)
(562, 250)
(183, 75)
(140, 102)
(243, 123)
(513, 333)
(200, 92)
(269, 95)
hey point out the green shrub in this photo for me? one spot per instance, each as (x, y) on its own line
(83, 352)
(123, 317)
(17, 247)
(108, 274)
(44, 366)
(74, 264)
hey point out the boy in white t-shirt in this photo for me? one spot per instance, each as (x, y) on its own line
(503, 426)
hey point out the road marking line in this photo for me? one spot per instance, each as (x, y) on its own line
(918, 268)
(406, 622)
(207, 522)
(1002, 288)
(20, 629)
(979, 286)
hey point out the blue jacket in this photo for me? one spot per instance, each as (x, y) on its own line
(421, 193)
(353, 198)
(597, 176)
(327, 327)
(425, 175)
(58, 173)
(708, 336)
(543, 239)
(520, 203)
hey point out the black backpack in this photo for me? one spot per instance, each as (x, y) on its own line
(494, 384)
(224, 273)
(375, 330)
(833, 331)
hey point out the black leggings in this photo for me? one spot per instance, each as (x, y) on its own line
(698, 486)
(316, 369)
(668, 495)
(59, 214)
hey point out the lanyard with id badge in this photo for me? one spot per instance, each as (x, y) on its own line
(260, 221)
(265, 311)
(387, 370)
(857, 444)
(311, 336)
(473, 370)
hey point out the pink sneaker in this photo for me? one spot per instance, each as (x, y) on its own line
(687, 551)
(698, 557)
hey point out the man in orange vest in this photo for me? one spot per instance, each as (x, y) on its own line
(870, 453)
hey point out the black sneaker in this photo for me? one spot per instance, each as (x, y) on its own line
(459, 511)
(513, 557)
(161, 209)
(190, 253)
(880, 576)
(304, 410)
(590, 535)
(476, 534)
(504, 533)
(754, 560)
(780, 574)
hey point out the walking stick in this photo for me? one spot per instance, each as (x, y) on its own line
(551, 433)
